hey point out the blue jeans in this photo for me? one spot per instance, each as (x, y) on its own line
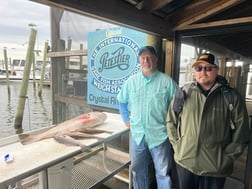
(140, 158)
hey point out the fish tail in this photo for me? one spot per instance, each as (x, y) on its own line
(27, 139)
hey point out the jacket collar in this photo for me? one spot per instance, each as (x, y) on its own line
(220, 81)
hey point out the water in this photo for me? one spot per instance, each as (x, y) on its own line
(37, 112)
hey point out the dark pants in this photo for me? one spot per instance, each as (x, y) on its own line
(188, 180)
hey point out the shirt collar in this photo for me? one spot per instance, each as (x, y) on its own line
(149, 78)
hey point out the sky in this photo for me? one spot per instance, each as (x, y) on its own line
(17, 15)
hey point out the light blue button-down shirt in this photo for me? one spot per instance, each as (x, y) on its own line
(148, 101)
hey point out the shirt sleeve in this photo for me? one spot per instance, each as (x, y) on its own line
(123, 108)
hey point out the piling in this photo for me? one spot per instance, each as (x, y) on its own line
(33, 69)
(6, 71)
(81, 58)
(43, 70)
(69, 45)
(24, 85)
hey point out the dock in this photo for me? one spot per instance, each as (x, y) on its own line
(46, 83)
(16, 77)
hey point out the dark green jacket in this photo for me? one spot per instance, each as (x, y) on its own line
(205, 143)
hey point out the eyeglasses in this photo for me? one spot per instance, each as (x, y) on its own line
(206, 68)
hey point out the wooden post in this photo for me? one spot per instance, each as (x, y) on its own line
(223, 66)
(24, 85)
(69, 46)
(7, 71)
(57, 67)
(43, 70)
(169, 56)
(81, 58)
(248, 169)
(33, 70)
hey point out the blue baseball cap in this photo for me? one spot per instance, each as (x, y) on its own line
(147, 48)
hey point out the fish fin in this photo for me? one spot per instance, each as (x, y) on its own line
(81, 135)
(91, 130)
(68, 140)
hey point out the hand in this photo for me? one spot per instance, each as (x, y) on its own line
(127, 124)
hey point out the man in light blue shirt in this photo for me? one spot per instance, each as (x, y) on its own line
(143, 103)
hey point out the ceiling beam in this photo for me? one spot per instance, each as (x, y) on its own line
(244, 20)
(196, 12)
(152, 5)
(116, 12)
(211, 46)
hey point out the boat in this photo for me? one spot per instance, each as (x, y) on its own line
(16, 70)
(18, 66)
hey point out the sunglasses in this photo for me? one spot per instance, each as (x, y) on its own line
(206, 68)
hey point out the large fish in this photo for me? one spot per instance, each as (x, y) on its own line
(78, 127)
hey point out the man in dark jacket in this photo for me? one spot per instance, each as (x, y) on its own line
(207, 136)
